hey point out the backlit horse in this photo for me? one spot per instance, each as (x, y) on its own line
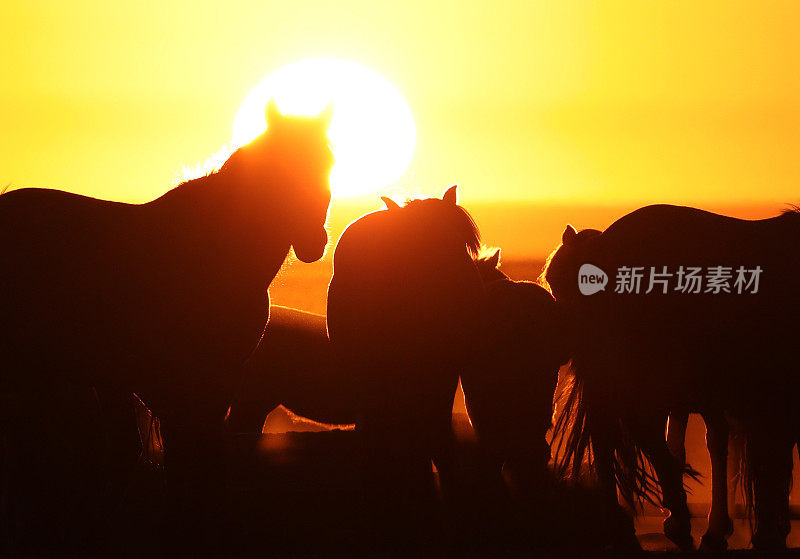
(164, 299)
(509, 390)
(642, 350)
(403, 309)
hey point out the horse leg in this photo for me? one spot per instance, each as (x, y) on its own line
(400, 490)
(770, 463)
(248, 417)
(676, 433)
(623, 533)
(120, 446)
(669, 470)
(195, 458)
(122, 442)
(735, 451)
(252, 402)
(719, 520)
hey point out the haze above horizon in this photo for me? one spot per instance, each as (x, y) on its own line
(574, 102)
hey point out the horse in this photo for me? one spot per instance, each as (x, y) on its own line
(164, 299)
(295, 366)
(403, 308)
(724, 449)
(638, 354)
(509, 390)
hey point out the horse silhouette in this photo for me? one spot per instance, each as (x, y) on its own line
(718, 442)
(509, 390)
(164, 299)
(403, 308)
(638, 356)
(294, 366)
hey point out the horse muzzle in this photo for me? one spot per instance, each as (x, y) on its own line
(311, 251)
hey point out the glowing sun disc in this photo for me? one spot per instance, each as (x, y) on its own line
(372, 131)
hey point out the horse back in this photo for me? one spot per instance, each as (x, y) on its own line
(58, 249)
(668, 232)
(99, 291)
(711, 342)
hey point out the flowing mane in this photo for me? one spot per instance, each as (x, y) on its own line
(459, 218)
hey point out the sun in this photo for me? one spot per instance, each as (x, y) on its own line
(372, 132)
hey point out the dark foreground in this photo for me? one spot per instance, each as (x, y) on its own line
(303, 493)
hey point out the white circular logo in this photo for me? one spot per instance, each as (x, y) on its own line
(591, 279)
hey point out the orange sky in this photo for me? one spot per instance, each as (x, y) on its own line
(578, 103)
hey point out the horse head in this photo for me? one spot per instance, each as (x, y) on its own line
(288, 168)
(488, 265)
(440, 225)
(524, 306)
(561, 269)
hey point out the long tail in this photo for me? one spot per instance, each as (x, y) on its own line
(746, 481)
(585, 416)
(765, 464)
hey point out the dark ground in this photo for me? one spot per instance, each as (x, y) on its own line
(297, 490)
(303, 493)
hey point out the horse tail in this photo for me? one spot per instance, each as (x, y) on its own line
(586, 431)
(746, 481)
(571, 439)
(760, 463)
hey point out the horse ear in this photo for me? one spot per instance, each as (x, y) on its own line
(451, 195)
(494, 259)
(569, 235)
(273, 113)
(326, 115)
(390, 204)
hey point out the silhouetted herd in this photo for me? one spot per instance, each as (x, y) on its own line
(167, 300)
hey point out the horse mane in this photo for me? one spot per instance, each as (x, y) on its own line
(215, 163)
(211, 165)
(793, 210)
(463, 224)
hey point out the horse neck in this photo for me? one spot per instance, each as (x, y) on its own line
(205, 214)
(492, 276)
(203, 198)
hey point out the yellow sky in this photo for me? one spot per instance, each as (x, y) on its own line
(620, 102)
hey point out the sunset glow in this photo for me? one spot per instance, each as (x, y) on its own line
(574, 109)
(418, 278)
(372, 131)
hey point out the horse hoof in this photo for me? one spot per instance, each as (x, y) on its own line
(711, 543)
(685, 543)
(769, 543)
(679, 533)
(723, 527)
(624, 544)
(622, 534)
